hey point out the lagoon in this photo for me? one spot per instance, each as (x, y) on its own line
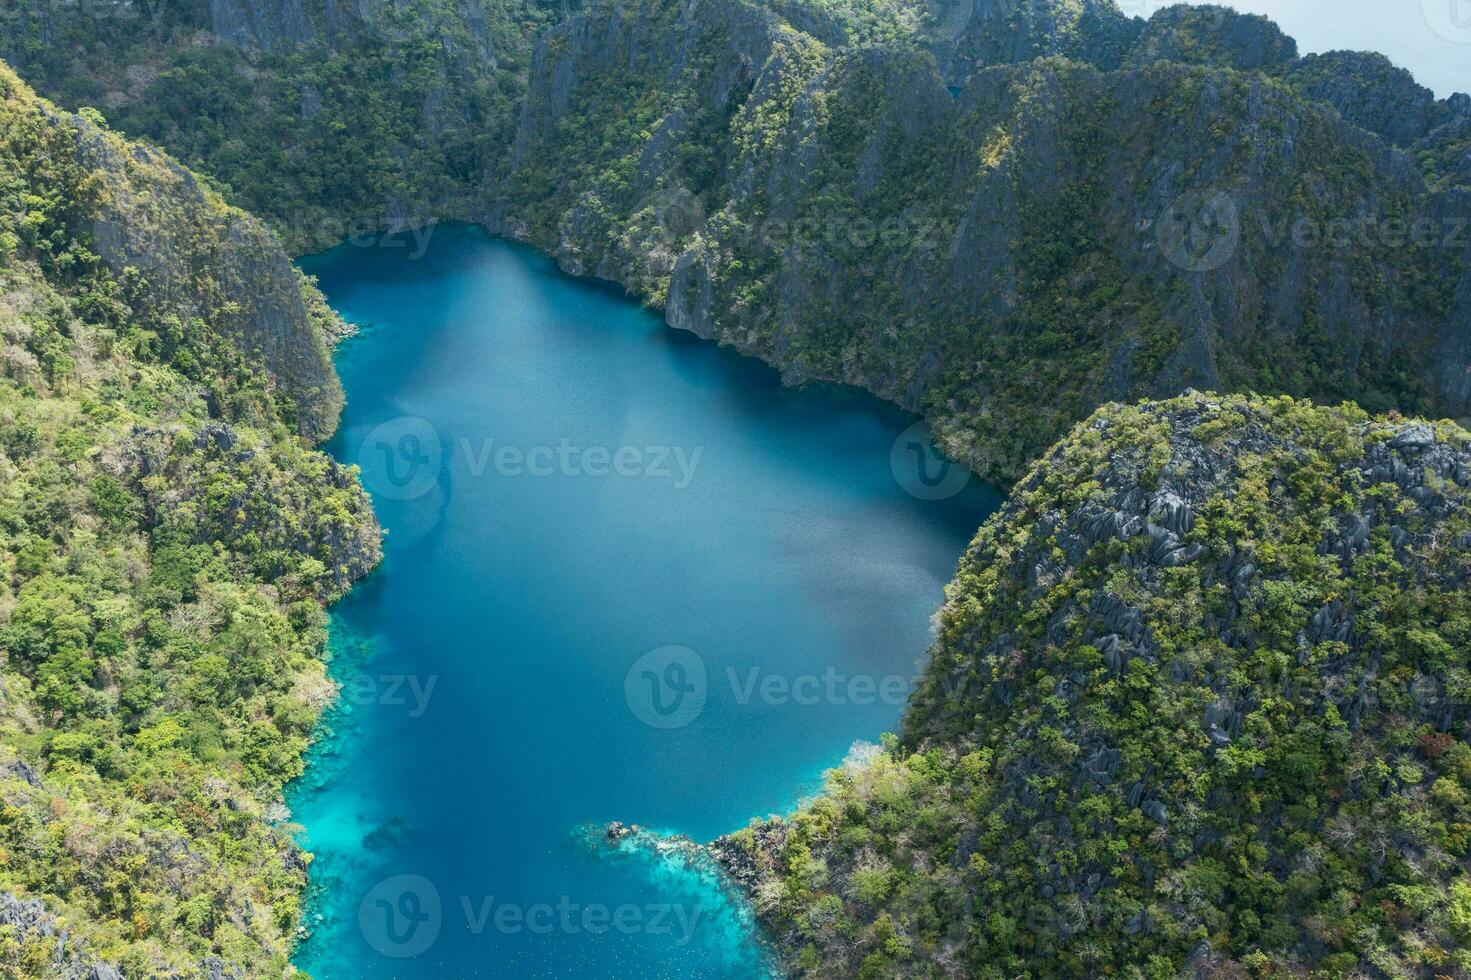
(628, 576)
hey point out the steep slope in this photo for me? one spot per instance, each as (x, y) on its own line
(155, 223)
(968, 35)
(325, 118)
(1008, 256)
(167, 539)
(1372, 92)
(636, 127)
(1198, 702)
(1216, 36)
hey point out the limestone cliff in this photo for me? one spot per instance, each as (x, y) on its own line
(168, 537)
(1196, 708)
(211, 262)
(1007, 255)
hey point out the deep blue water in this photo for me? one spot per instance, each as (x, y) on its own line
(628, 576)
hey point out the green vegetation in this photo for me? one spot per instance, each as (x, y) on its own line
(994, 258)
(167, 540)
(324, 124)
(1199, 697)
(884, 192)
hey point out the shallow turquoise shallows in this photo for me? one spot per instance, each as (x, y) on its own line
(629, 576)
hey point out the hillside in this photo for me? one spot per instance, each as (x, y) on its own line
(326, 119)
(1007, 255)
(168, 536)
(1198, 698)
(1198, 701)
(1000, 215)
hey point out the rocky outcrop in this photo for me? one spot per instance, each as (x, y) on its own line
(210, 261)
(1452, 356)
(345, 117)
(276, 504)
(1200, 665)
(968, 35)
(165, 370)
(1212, 35)
(1372, 92)
(271, 24)
(32, 926)
(1051, 227)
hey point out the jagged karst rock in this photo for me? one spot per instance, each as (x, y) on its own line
(1213, 35)
(819, 248)
(33, 924)
(265, 306)
(164, 494)
(1131, 728)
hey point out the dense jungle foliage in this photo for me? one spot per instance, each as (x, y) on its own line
(1006, 251)
(1199, 701)
(167, 540)
(1200, 694)
(325, 123)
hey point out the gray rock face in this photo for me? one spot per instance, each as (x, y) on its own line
(264, 306)
(692, 297)
(269, 24)
(21, 771)
(1177, 702)
(869, 246)
(1452, 364)
(1213, 35)
(1370, 91)
(33, 923)
(969, 35)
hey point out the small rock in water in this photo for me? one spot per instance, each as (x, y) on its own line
(618, 831)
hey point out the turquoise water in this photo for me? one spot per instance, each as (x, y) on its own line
(628, 577)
